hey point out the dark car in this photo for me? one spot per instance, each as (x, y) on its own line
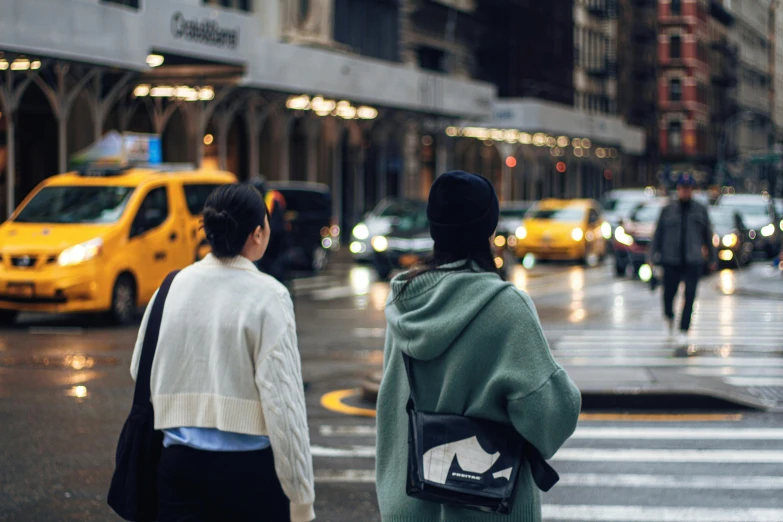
(313, 232)
(407, 243)
(632, 237)
(511, 215)
(731, 239)
(759, 215)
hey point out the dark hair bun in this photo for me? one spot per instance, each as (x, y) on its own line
(231, 214)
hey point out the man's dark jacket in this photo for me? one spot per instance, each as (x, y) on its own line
(666, 248)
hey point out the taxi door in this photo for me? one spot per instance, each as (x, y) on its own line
(153, 241)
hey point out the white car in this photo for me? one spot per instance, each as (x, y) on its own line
(379, 222)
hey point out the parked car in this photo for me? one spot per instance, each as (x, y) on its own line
(731, 239)
(564, 230)
(102, 239)
(379, 222)
(314, 233)
(632, 238)
(759, 214)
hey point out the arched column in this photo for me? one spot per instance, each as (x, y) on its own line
(61, 98)
(11, 90)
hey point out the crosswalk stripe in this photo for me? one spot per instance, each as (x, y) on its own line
(611, 433)
(635, 433)
(742, 456)
(734, 456)
(628, 361)
(753, 381)
(588, 513)
(710, 482)
(671, 481)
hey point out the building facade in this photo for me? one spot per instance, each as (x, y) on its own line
(301, 90)
(750, 34)
(289, 90)
(595, 56)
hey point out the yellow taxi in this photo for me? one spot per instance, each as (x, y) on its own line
(102, 240)
(564, 230)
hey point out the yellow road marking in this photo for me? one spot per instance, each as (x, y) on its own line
(333, 401)
(662, 417)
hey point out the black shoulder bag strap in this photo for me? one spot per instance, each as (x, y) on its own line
(141, 393)
(544, 475)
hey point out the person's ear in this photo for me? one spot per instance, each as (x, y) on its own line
(258, 235)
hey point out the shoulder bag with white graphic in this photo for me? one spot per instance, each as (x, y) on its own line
(469, 462)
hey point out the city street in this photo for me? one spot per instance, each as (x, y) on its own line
(65, 390)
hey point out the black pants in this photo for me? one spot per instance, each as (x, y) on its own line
(212, 486)
(672, 277)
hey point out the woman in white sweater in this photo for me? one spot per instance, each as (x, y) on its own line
(226, 381)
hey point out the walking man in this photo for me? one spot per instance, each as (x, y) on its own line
(683, 234)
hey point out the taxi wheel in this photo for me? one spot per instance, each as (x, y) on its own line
(123, 301)
(8, 317)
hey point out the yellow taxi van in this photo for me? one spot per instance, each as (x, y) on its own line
(561, 229)
(102, 239)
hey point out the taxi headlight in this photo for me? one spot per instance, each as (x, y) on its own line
(361, 232)
(521, 232)
(606, 230)
(577, 234)
(730, 240)
(380, 244)
(768, 230)
(80, 253)
(500, 241)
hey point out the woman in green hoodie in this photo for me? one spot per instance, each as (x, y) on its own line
(477, 349)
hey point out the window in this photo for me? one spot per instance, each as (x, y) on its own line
(675, 89)
(152, 213)
(593, 219)
(675, 136)
(242, 5)
(130, 3)
(675, 47)
(76, 205)
(196, 196)
(676, 7)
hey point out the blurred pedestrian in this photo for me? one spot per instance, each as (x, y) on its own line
(275, 261)
(226, 381)
(476, 347)
(683, 233)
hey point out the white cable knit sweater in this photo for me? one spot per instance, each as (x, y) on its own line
(227, 358)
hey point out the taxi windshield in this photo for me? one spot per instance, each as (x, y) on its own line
(563, 215)
(76, 205)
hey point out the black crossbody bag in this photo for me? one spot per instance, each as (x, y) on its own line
(469, 462)
(133, 493)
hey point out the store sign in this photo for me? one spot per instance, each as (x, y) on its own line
(205, 31)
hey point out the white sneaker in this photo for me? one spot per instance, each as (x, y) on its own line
(669, 330)
(682, 339)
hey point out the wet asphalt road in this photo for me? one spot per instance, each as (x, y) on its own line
(65, 390)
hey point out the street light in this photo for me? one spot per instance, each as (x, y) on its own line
(732, 121)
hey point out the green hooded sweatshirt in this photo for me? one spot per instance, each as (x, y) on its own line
(478, 351)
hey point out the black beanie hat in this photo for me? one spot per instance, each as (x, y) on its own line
(463, 210)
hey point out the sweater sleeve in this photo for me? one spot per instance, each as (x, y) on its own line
(545, 407)
(279, 379)
(136, 357)
(548, 416)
